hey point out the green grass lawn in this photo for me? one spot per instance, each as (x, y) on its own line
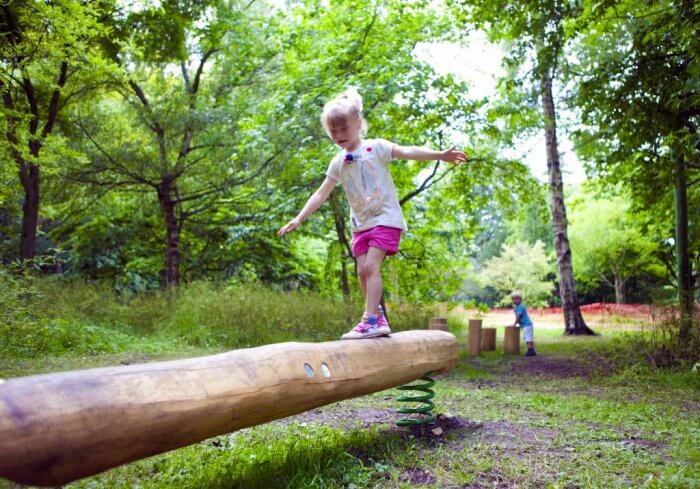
(571, 417)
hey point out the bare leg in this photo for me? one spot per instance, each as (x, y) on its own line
(372, 268)
(361, 274)
(530, 345)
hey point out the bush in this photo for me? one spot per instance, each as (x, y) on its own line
(17, 297)
(97, 302)
(59, 337)
(207, 314)
(26, 330)
(660, 345)
(53, 316)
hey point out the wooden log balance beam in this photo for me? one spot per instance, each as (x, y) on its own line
(60, 427)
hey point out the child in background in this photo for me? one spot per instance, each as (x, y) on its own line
(362, 166)
(524, 321)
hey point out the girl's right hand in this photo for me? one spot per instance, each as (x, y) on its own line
(289, 227)
(453, 155)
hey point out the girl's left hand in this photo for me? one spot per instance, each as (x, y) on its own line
(453, 155)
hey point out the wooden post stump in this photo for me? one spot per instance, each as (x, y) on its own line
(474, 337)
(511, 341)
(488, 339)
(438, 323)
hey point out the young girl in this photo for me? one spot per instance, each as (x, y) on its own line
(361, 166)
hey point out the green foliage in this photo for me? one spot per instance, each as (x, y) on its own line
(257, 150)
(17, 294)
(57, 317)
(60, 337)
(638, 92)
(207, 314)
(661, 348)
(638, 96)
(26, 331)
(520, 267)
(140, 314)
(47, 51)
(609, 245)
(298, 455)
(117, 238)
(406, 102)
(240, 316)
(531, 220)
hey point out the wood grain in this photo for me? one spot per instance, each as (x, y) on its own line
(60, 427)
(511, 340)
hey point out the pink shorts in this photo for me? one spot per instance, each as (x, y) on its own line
(383, 237)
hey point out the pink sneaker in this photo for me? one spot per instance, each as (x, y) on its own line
(367, 328)
(382, 323)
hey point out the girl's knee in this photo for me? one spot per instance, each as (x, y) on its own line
(370, 269)
(361, 272)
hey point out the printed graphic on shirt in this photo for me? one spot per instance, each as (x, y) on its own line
(365, 195)
(368, 186)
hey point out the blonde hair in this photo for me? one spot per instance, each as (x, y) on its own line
(515, 294)
(337, 110)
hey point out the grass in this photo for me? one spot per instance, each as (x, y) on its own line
(56, 325)
(584, 413)
(266, 456)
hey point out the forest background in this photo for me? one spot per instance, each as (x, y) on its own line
(154, 145)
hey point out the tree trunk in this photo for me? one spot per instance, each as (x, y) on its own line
(619, 290)
(573, 320)
(29, 176)
(339, 220)
(685, 276)
(29, 172)
(167, 203)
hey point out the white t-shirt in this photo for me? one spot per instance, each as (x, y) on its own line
(368, 185)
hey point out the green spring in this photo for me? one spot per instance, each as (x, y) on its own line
(424, 410)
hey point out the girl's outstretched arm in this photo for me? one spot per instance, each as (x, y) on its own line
(453, 155)
(314, 202)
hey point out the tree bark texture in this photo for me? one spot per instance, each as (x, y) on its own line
(339, 220)
(29, 177)
(684, 270)
(29, 171)
(573, 320)
(167, 200)
(619, 290)
(59, 427)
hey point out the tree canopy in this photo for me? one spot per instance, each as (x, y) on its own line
(147, 145)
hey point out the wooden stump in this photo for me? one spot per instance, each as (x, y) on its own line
(474, 337)
(438, 323)
(511, 341)
(488, 339)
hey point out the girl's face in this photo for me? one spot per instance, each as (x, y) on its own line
(345, 132)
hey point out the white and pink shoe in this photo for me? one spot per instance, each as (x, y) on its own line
(367, 328)
(382, 323)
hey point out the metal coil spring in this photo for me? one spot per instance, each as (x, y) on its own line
(424, 411)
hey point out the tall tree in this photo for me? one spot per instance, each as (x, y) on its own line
(195, 114)
(44, 47)
(639, 91)
(534, 30)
